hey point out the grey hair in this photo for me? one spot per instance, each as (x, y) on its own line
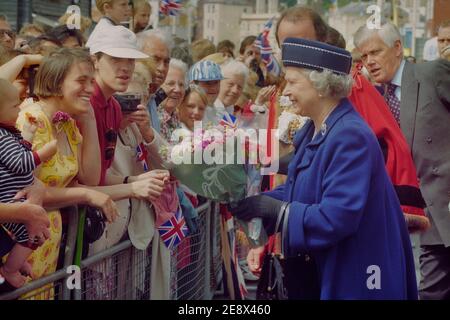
(142, 38)
(388, 32)
(175, 63)
(180, 65)
(234, 67)
(329, 84)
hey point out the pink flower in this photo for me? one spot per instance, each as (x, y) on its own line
(205, 143)
(60, 117)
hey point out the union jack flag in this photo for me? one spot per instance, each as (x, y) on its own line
(141, 156)
(229, 121)
(170, 7)
(173, 231)
(262, 42)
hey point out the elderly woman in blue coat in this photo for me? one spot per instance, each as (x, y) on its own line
(342, 226)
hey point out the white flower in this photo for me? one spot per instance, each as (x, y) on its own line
(285, 102)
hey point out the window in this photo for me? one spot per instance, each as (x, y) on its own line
(213, 8)
(213, 24)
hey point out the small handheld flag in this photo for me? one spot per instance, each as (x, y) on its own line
(170, 7)
(229, 121)
(262, 42)
(173, 231)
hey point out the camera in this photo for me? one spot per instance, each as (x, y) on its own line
(128, 102)
(160, 96)
(31, 70)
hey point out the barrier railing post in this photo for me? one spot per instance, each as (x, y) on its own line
(70, 248)
(207, 294)
(79, 245)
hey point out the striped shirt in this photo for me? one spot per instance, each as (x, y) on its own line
(17, 164)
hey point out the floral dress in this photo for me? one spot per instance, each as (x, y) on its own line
(169, 122)
(57, 172)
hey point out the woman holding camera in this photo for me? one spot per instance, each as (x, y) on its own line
(19, 69)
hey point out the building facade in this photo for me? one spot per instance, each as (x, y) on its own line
(44, 12)
(221, 19)
(252, 24)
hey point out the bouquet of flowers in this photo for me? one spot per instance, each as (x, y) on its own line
(210, 163)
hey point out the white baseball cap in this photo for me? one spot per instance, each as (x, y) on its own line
(116, 41)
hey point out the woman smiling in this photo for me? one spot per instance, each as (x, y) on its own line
(174, 87)
(64, 85)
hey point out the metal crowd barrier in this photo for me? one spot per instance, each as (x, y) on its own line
(123, 272)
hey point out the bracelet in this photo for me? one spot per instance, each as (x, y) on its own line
(280, 216)
(284, 232)
(125, 181)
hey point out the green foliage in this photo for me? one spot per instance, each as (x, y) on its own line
(289, 3)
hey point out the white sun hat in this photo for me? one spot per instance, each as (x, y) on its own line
(116, 41)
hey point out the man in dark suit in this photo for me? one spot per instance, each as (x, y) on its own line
(419, 98)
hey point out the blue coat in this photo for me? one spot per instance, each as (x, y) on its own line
(344, 212)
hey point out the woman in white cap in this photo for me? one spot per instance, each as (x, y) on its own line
(342, 226)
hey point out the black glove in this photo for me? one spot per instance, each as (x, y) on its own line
(261, 206)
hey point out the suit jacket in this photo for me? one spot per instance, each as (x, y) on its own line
(425, 122)
(344, 211)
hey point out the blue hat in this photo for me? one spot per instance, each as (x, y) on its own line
(302, 53)
(205, 71)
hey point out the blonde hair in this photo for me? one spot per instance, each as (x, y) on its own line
(101, 3)
(54, 69)
(139, 4)
(144, 71)
(149, 63)
(202, 48)
(85, 23)
(218, 58)
(193, 88)
(30, 28)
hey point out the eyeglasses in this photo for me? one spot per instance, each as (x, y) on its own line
(10, 33)
(111, 139)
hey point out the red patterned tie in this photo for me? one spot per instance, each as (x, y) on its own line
(393, 102)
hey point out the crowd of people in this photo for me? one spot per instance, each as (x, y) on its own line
(363, 160)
